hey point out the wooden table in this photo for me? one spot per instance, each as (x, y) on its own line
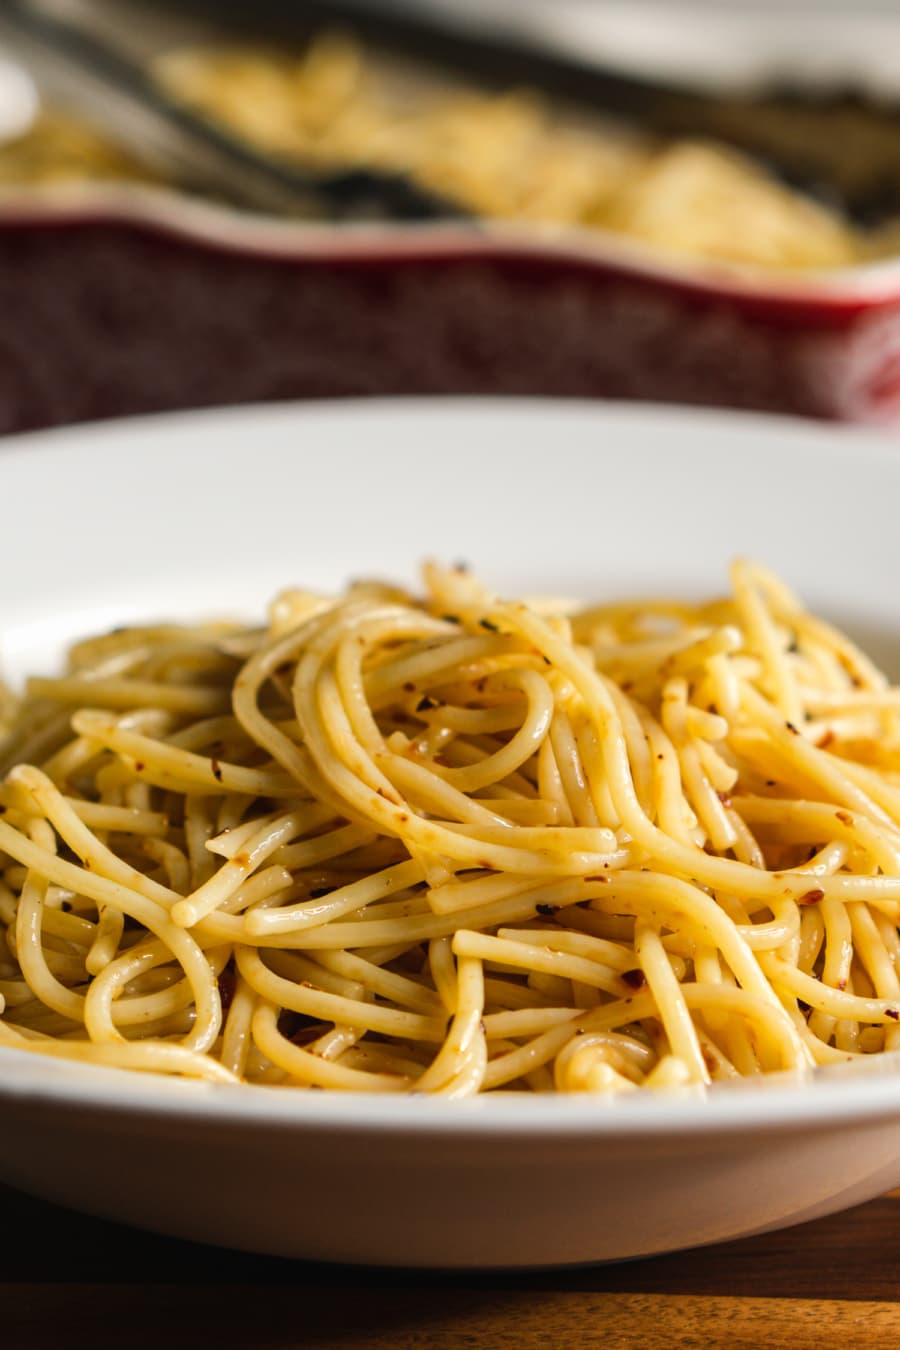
(70, 1281)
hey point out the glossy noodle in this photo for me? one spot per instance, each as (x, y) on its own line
(452, 844)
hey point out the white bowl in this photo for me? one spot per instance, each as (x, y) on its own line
(213, 512)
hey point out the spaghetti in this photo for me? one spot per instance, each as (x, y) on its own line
(453, 845)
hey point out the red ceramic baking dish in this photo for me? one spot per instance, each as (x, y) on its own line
(127, 301)
(124, 298)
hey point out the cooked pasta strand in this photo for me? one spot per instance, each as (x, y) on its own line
(454, 844)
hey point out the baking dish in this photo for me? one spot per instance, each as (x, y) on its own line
(133, 297)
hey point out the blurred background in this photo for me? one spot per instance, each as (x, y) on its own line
(209, 202)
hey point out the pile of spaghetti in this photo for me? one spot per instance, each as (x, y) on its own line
(451, 844)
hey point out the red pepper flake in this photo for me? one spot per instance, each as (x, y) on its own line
(139, 766)
(844, 817)
(893, 1014)
(598, 878)
(811, 897)
(409, 686)
(403, 817)
(724, 799)
(635, 979)
(216, 769)
(241, 860)
(771, 782)
(86, 864)
(825, 739)
(841, 985)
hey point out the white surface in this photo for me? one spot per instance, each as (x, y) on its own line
(715, 43)
(213, 512)
(730, 44)
(19, 100)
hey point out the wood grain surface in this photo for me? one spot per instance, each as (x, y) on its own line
(69, 1281)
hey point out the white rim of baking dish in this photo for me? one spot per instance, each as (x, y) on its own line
(206, 222)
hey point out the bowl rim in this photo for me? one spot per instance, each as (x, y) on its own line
(778, 1104)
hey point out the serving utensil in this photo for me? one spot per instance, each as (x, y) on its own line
(120, 97)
